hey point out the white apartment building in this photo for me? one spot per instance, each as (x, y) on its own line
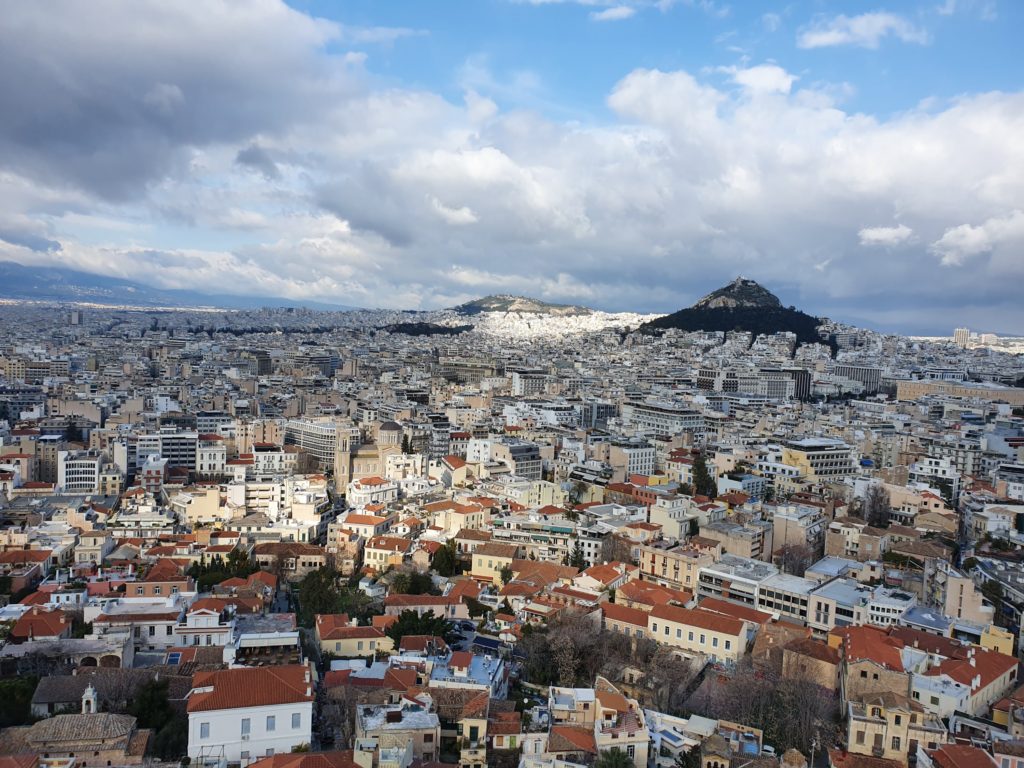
(242, 715)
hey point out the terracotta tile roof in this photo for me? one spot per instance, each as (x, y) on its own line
(871, 644)
(419, 643)
(339, 759)
(841, 759)
(712, 622)
(815, 649)
(568, 738)
(624, 615)
(742, 612)
(250, 687)
(497, 549)
(38, 623)
(473, 534)
(989, 666)
(389, 544)
(961, 756)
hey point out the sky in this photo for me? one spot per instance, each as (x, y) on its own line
(863, 161)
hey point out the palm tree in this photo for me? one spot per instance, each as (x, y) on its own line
(613, 758)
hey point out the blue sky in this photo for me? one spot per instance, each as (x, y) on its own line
(574, 60)
(864, 161)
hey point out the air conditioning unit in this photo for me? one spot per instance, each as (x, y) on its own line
(245, 737)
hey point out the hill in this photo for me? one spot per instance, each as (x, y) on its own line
(743, 305)
(57, 284)
(521, 304)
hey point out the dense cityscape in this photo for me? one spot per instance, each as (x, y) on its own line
(511, 384)
(506, 534)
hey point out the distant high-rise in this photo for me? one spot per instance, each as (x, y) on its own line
(961, 336)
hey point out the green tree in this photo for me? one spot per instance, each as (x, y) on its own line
(406, 444)
(323, 591)
(150, 705)
(410, 623)
(703, 480)
(613, 758)
(576, 560)
(16, 700)
(505, 574)
(445, 560)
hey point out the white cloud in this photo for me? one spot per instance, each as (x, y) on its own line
(304, 177)
(378, 35)
(456, 216)
(958, 244)
(864, 31)
(615, 13)
(771, 21)
(764, 78)
(885, 235)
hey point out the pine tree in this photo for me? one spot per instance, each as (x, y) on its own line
(576, 560)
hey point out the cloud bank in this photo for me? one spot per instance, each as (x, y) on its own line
(250, 149)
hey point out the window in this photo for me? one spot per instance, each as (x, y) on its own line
(246, 726)
(897, 719)
(170, 630)
(895, 742)
(714, 642)
(728, 645)
(157, 590)
(204, 730)
(654, 627)
(863, 674)
(860, 737)
(935, 699)
(152, 630)
(630, 750)
(245, 755)
(666, 630)
(702, 639)
(690, 638)
(140, 590)
(270, 752)
(679, 633)
(271, 723)
(428, 738)
(296, 720)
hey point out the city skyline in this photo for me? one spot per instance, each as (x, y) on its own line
(864, 164)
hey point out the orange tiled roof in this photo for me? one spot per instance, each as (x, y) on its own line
(250, 687)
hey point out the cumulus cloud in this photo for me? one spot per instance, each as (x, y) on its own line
(958, 244)
(885, 235)
(865, 31)
(615, 13)
(305, 177)
(764, 78)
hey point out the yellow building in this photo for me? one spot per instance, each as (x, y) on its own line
(339, 636)
(997, 639)
(489, 559)
(723, 638)
(891, 726)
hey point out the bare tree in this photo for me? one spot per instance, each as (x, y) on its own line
(616, 548)
(876, 506)
(667, 678)
(792, 712)
(794, 558)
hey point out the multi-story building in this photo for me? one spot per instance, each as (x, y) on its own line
(244, 714)
(819, 458)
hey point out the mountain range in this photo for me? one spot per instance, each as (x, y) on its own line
(18, 281)
(742, 305)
